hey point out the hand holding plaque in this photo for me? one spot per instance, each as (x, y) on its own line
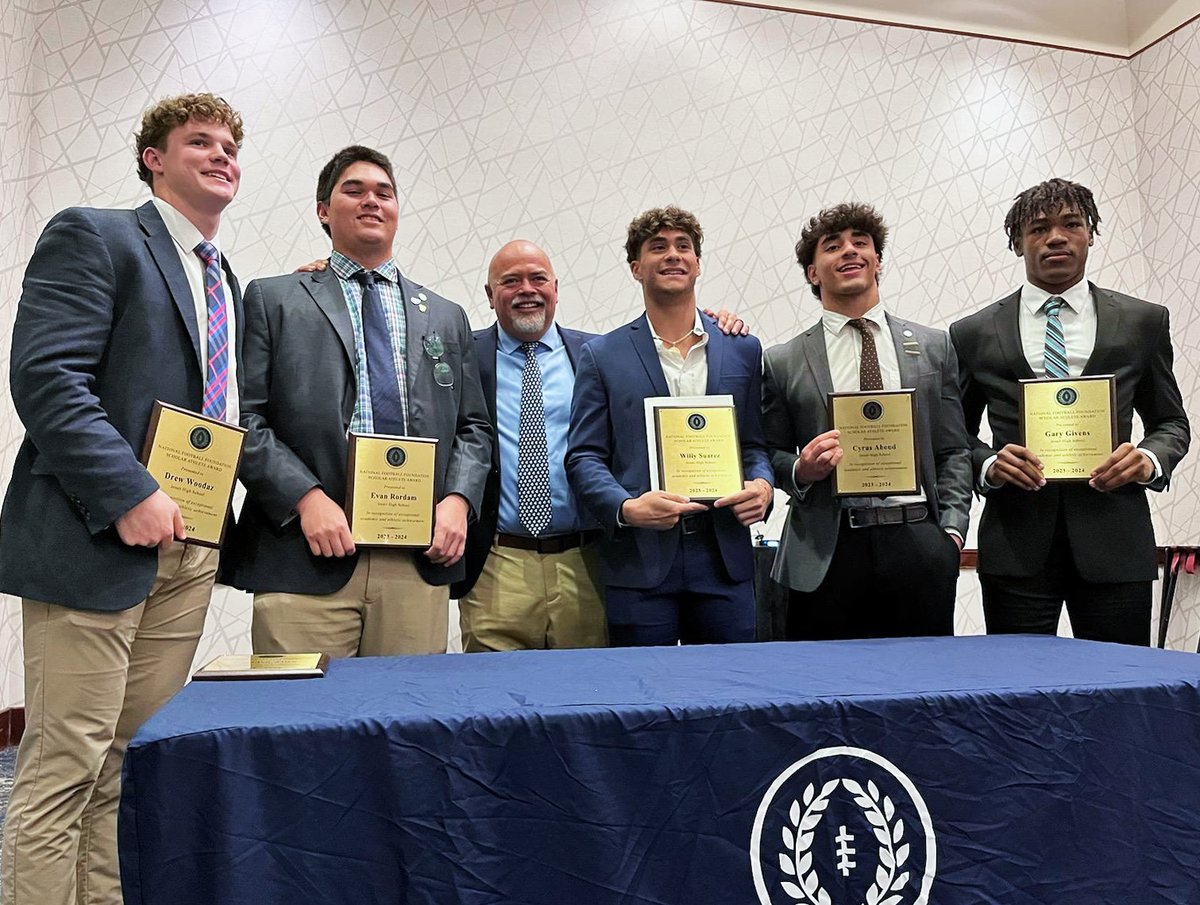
(879, 443)
(195, 460)
(1069, 424)
(693, 446)
(389, 490)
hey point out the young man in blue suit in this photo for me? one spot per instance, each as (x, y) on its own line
(674, 570)
(118, 309)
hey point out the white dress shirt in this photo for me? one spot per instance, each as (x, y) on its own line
(685, 376)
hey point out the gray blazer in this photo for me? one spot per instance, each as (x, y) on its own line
(796, 384)
(299, 394)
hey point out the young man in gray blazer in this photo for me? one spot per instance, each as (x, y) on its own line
(119, 308)
(863, 566)
(1089, 544)
(311, 376)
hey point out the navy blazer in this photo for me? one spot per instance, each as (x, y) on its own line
(106, 324)
(481, 533)
(607, 455)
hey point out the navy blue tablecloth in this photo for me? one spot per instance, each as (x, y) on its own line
(958, 771)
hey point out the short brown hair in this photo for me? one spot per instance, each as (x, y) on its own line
(172, 112)
(654, 221)
(340, 162)
(1049, 198)
(837, 219)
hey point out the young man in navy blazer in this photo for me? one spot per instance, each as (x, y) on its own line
(119, 308)
(674, 570)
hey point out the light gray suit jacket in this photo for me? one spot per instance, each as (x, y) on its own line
(300, 389)
(796, 384)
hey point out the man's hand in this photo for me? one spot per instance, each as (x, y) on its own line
(313, 266)
(1127, 463)
(728, 322)
(154, 522)
(750, 505)
(1017, 466)
(818, 458)
(449, 530)
(324, 525)
(658, 510)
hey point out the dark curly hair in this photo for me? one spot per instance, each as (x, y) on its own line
(837, 219)
(654, 221)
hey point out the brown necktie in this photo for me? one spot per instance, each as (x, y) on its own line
(869, 375)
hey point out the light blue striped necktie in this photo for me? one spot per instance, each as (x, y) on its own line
(1056, 345)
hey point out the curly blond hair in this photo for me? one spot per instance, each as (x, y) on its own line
(172, 112)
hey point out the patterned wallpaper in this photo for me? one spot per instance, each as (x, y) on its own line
(558, 120)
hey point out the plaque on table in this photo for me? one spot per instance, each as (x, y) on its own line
(1070, 424)
(389, 490)
(264, 666)
(694, 448)
(195, 460)
(877, 433)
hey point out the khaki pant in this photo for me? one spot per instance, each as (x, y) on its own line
(386, 608)
(91, 679)
(525, 600)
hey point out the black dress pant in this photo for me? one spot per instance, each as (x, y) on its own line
(885, 581)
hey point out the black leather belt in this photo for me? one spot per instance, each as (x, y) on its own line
(888, 515)
(696, 523)
(558, 543)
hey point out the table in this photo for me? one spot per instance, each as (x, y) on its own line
(953, 771)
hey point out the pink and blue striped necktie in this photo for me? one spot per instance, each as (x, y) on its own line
(216, 381)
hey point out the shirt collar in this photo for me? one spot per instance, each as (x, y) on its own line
(551, 340)
(697, 330)
(181, 229)
(345, 268)
(1077, 297)
(835, 322)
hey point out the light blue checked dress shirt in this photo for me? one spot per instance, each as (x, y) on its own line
(393, 311)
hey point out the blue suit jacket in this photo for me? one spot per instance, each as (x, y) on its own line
(607, 452)
(480, 533)
(105, 326)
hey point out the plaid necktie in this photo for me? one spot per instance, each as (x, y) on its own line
(1056, 345)
(869, 375)
(533, 465)
(387, 412)
(216, 380)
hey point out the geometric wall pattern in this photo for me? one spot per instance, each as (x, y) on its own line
(559, 120)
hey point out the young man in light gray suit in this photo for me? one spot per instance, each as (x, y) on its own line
(356, 347)
(863, 566)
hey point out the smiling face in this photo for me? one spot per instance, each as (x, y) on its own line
(845, 269)
(667, 265)
(196, 171)
(523, 290)
(362, 213)
(1055, 249)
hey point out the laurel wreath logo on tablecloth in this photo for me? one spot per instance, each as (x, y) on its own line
(880, 812)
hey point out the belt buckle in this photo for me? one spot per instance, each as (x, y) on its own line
(852, 518)
(690, 524)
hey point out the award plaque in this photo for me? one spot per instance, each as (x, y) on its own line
(1071, 424)
(195, 460)
(695, 446)
(389, 490)
(264, 666)
(877, 433)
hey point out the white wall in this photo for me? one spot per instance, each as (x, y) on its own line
(559, 120)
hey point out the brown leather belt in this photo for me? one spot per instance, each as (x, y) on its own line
(867, 517)
(558, 543)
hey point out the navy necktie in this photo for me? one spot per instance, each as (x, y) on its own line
(533, 465)
(387, 412)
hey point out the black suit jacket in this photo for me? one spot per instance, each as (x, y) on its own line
(481, 533)
(105, 325)
(1110, 534)
(300, 392)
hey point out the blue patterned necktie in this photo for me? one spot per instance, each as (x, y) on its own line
(533, 465)
(387, 413)
(216, 378)
(1056, 345)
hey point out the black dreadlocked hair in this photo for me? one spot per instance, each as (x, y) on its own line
(1049, 197)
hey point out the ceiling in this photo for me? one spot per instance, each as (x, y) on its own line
(1117, 27)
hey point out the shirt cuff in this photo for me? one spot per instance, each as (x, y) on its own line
(798, 490)
(984, 486)
(1153, 461)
